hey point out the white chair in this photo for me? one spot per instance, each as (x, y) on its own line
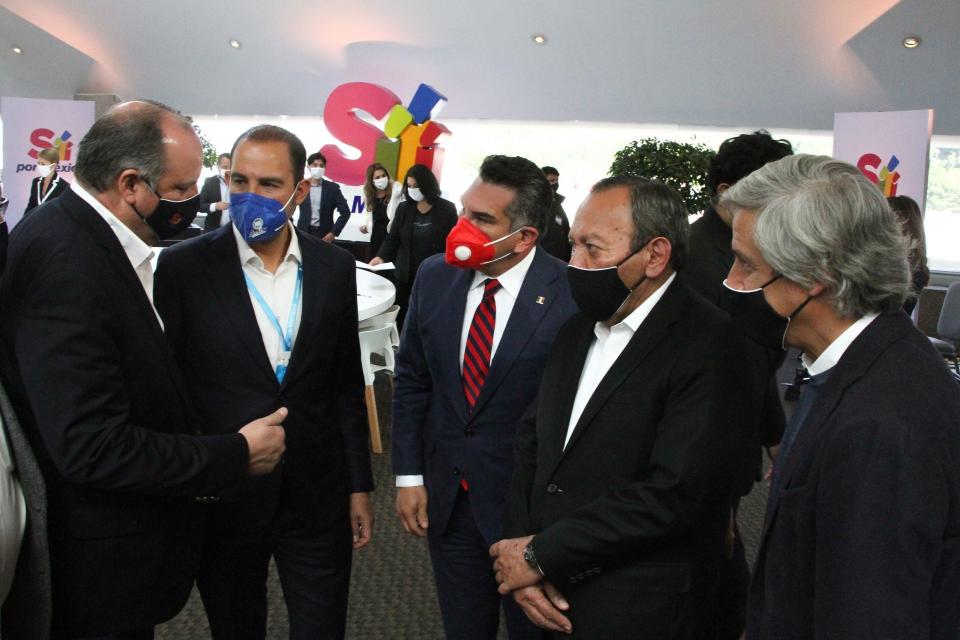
(373, 340)
(387, 317)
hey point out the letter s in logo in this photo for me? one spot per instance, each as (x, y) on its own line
(341, 120)
(40, 139)
(869, 165)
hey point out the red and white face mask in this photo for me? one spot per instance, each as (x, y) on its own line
(470, 248)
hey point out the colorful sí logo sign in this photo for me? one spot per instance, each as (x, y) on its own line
(885, 177)
(46, 138)
(410, 134)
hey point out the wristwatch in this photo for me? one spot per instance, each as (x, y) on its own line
(531, 558)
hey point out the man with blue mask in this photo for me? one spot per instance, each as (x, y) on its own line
(618, 510)
(260, 314)
(481, 322)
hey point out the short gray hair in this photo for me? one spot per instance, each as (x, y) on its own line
(819, 220)
(657, 211)
(128, 136)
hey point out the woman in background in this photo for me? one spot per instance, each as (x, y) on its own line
(418, 231)
(908, 212)
(381, 195)
(48, 184)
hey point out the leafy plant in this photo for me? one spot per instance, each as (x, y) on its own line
(209, 151)
(681, 165)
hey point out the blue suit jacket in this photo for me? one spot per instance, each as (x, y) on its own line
(433, 434)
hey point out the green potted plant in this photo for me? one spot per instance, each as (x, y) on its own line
(681, 165)
(209, 151)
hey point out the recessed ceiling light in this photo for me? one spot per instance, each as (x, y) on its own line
(17, 50)
(539, 38)
(911, 42)
(235, 44)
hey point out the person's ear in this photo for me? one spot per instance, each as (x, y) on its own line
(126, 185)
(660, 252)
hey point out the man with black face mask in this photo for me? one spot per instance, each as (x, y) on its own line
(97, 390)
(619, 504)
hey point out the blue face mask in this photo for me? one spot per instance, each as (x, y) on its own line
(258, 218)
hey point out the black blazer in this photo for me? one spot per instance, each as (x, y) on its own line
(210, 194)
(631, 517)
(57, 186)
(863, 538)
(556, 236)
(103, 404)
(331, 197)
(4, 240)
(396, 246)
(210, 322)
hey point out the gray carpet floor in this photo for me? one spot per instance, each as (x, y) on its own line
(392, 595)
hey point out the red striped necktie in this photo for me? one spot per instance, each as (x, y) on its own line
(476, 355)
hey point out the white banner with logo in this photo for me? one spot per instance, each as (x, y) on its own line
(891, 148)
(32, 124)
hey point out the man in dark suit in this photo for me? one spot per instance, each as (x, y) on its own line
(556, 239)
(215, 196)
(860, 538)
(619, 504)
(261, 315)
(316, 210)
(96, 388)
(457, 400)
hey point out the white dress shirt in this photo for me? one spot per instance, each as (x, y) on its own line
(315, 194)
(604, 351)
(832, 354)
(138, 252)
(505, 297)
(277, 289)
(13, 516)
(224, 197)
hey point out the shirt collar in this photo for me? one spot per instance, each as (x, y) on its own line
(136, 249)
(832, 354)
(633, 321)
(510, 280)
(248, 255)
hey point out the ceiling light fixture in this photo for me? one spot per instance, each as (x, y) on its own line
(911, 42)
(539, 38)
(17, 50)
(235, 44)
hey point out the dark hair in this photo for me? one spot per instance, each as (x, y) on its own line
(550, 171)
(657, 211)
(369, 191)
(426, 182)
(911, 221)
(741, 155)
(317, 156)
(272, 133)
(128, 136)
(533, 198)
(222, 156)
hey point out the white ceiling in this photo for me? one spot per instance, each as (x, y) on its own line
(745, 63)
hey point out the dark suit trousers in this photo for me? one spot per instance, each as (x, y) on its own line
(314, 570)
(466, 586)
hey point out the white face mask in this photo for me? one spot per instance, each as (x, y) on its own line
(316, 172)
(415, 194)
(44, 170)
(381, 183)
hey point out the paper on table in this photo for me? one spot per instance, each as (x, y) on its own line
(384, 266)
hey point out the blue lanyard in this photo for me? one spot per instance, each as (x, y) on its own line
(287, 339)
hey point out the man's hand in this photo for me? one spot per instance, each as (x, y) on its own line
(412, 509)
(772, 453)
(220, 206)
(511, 569)
(361, 519)
(376, 261)
(265, 440)
(363, 228)
(542, 604)
(329, 237)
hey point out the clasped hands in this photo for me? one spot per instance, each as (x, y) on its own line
(542, 603)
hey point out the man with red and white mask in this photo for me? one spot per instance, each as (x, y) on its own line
(481, 321)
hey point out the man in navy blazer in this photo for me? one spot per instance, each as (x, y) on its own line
(316, 210)
(453, 441)
(862, 531)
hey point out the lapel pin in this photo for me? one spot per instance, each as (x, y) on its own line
(540, 299)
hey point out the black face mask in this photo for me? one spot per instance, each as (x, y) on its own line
(599, 292)
(171, 216)
(754, 315)
(555, 186)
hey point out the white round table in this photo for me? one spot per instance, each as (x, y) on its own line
(375, 294)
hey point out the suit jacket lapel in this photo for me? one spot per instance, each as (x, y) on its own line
(651, 332)
(561, 398)
(449, 335)
(315, 284)
(524, 320)
(226, 275)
